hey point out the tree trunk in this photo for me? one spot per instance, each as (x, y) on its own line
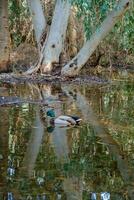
(38, 18)
(72, 36)
(4, 36)
(54, 44)
(74, 66)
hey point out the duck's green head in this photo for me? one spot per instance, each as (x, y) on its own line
(51, 113)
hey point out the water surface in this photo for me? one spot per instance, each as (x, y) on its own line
(91, 161)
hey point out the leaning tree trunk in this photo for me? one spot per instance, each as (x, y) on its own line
(4, 35)
(38, 19)
(55, 41)
(75, 65)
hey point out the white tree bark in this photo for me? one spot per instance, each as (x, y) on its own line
(33, 146)
(56, 36)
(38, 18)
(75, 65)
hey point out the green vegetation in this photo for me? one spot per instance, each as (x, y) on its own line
(92, 14)
(38, 159)
(19, 21)
(116, 49)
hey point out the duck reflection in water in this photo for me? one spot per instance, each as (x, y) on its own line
(61, 138)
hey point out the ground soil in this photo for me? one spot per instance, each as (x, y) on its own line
(94, 72)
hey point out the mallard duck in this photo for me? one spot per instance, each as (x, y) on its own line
(63, 120)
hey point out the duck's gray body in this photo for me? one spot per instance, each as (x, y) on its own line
(63, 120)
(67, 120)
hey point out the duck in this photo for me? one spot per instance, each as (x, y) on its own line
(63, 120)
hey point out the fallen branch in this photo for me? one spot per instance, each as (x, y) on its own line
(16, 100)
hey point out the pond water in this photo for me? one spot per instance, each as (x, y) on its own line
(92, 161)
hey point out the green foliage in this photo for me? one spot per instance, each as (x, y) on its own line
(93, 12)
(18, 13)
(125, 31)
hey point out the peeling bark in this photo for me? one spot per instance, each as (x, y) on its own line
(75, 65)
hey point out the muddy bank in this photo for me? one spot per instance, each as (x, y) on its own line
(21, 79)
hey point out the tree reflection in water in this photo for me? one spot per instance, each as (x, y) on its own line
(82, 162)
